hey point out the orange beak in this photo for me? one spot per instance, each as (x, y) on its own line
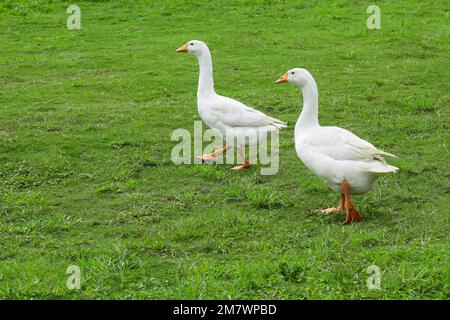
(183, 48)
(283, 78)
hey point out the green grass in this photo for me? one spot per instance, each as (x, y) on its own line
(86, 177)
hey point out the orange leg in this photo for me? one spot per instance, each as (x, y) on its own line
(333, 209)
(352, 214)
(245, 163)
(215, 154)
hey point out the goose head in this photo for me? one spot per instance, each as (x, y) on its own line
(194, 47)
(297, 76)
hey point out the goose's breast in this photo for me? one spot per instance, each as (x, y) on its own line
(209, 117)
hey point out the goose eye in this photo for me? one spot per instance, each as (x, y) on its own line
(191, 43)
(292, 72)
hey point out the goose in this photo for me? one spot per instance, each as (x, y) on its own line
(232, 119)
(347, 163)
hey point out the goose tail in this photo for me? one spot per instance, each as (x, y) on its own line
(384, 153)
(383, 169)
(278, 123)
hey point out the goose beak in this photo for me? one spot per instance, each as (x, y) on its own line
(283, 78)
(183, 48)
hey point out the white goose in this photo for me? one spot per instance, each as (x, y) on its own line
(234, 120)
(347, 163)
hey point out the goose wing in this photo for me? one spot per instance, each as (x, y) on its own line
(236, 114)
(340, 144)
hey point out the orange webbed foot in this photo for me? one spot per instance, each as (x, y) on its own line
(208, 157)
(328, 210)
(353, 215)
(334, 209)
(246, 164)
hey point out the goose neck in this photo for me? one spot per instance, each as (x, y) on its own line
(309, 116)
(206, 81)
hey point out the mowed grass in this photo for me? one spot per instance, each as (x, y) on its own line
(85, 171)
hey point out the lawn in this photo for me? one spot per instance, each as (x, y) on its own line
(86, 176)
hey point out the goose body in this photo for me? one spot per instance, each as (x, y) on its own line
(234, 119)
(335, 154)
(347, 163)
(238, 124)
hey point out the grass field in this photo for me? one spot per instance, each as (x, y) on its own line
(86, 177)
